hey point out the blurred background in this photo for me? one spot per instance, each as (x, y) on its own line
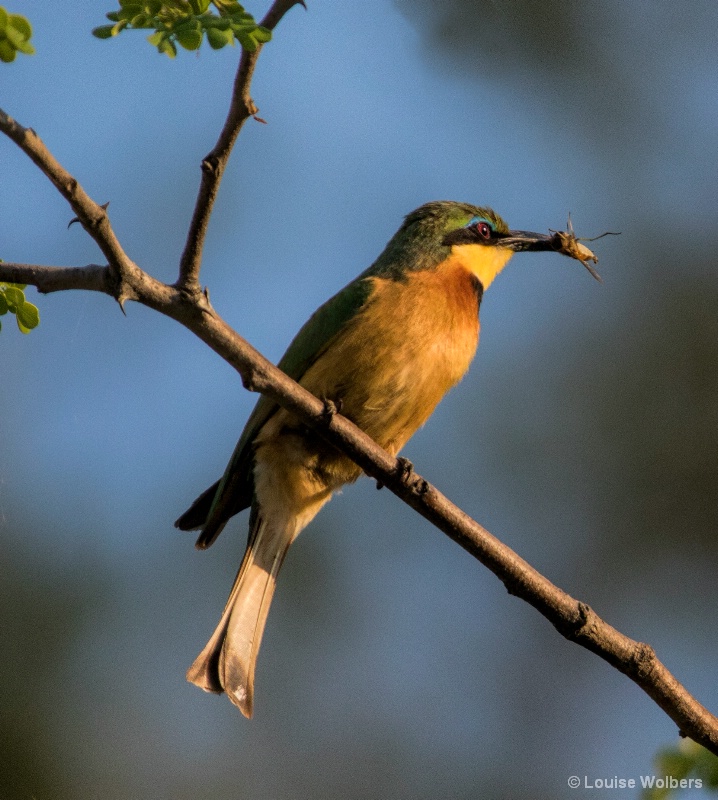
(585, 435)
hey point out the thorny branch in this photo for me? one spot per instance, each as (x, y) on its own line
(241, 107)
(122, 279)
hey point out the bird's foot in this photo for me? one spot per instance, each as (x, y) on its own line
(405, 471)
(404, 468)
(421, 486)
(331, 409)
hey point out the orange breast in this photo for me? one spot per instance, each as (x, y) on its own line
(409, 345)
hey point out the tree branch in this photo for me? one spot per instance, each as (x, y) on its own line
(58, 279)
(92, 216)
(184, 302)
(241, 107)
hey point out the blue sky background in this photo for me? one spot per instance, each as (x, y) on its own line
(585, 435)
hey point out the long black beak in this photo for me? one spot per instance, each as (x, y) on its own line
(563, 242)
(522, 241)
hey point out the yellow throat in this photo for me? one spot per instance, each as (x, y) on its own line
(483, 261)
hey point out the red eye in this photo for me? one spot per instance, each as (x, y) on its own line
(484, 230)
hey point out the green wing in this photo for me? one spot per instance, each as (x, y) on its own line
(233, 492)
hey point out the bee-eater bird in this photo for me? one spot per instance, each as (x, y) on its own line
(385, 349)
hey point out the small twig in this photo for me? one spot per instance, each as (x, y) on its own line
(241, 108)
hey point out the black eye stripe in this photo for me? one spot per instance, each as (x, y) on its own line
(476, 231)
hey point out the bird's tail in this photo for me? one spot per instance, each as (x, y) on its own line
(227, 662)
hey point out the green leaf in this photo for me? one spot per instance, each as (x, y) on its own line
(15, 33)
(686, 760)
(28, 317)
(167, 46)
(128, 12)
(156, 38)
(26, 48)
(183, 23)
(220, 23)
(246, 40)
(261, 34)
(13, 36)
(7, 51)
(15, 298)
(190, 39)
(199, 6)
(21, 25)
(103, 32)
(189, 24)
(218, 39)
(12, 300)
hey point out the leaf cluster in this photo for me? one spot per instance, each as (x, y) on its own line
(15, 33)
(687, 760)
(185, 23)
(12, 299)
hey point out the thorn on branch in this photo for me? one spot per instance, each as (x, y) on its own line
(193, 296)
(203, 301)
(259, 119)
(122, 290)
(104, 207)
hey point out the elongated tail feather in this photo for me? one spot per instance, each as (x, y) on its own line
(228, 661)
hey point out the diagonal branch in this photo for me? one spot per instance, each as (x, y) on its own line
(573, 619)
(241, 108)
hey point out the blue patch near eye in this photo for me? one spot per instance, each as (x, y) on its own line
(475, 220)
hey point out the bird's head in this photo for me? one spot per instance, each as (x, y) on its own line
(477, 236)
